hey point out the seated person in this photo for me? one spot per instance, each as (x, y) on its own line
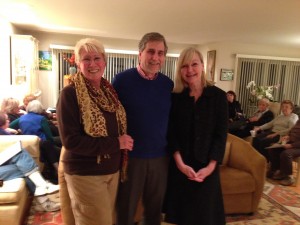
(235, 111)
(49, 115)
(23, 165)
(26, 100)
(11, 107)
(270, 132)
(261, 116)
(33, 123)
(282, 158)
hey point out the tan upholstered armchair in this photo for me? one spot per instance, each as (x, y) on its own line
(242, 176)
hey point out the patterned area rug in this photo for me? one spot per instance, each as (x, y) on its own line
(279, 206)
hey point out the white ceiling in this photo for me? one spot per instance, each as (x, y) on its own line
(267, 22)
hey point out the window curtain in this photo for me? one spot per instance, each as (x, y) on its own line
(267, 72)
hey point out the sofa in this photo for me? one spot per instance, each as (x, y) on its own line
(15, 199)
(242, 173)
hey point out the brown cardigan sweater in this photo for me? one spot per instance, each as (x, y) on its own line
(81, 149)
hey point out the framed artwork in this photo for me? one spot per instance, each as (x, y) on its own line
(210, 65)
(45, 60)
(226, 75)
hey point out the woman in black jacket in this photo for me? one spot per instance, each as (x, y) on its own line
(235, 111)
(197, 138)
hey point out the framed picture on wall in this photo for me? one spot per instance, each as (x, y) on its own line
(226, 75)
(45, 60)
(210, 65)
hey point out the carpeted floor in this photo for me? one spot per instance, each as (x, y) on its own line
(279, 206)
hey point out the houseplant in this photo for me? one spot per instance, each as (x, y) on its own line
(259, 92)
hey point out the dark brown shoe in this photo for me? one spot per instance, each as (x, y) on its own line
(279, 176)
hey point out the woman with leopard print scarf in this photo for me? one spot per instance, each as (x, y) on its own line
(92, 125)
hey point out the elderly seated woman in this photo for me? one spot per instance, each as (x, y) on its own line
(261, 116)
(270, 132)
(281, 158)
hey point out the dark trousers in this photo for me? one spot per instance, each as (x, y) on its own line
(260, 142)
(147, 179)
(282, 159)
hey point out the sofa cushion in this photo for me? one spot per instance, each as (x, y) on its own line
(234, 181)
(12, 191)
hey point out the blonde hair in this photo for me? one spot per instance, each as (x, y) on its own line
(186, 56)
(9, 104)
(28, 98)
(89, 44)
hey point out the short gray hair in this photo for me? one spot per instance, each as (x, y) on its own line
(35, 106)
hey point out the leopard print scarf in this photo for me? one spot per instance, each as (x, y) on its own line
(91, 103)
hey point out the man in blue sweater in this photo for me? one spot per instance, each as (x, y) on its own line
(146, 96)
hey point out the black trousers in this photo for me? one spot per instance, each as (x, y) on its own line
(260, 142)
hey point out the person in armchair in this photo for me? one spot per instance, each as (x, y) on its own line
(282, 158)
(271, 132)
(261, 116)
(22, 165)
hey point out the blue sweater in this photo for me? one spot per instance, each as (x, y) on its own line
(147, 104)
(33, 124)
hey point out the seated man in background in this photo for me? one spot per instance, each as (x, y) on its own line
(261, 116)
(22, 165)
(282, 158)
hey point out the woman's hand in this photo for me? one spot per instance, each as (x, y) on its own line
(11, 131)
(253, 119)
(272, 135)
(126, 142)
(188, 171)
(285, 139)
(206, 171)
(256, 129)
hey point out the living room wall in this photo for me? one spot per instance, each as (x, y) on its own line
(227, 51)
(225, 55)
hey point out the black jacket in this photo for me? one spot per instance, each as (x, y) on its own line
(199, 128)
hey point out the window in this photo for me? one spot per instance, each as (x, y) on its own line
(116, 63)
(268, 72)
